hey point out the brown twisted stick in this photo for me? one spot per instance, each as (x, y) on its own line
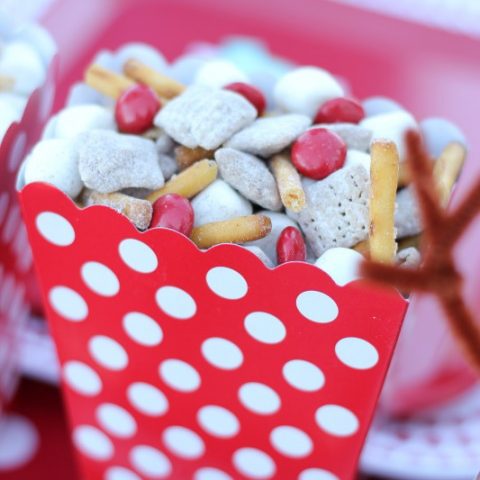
(437, 273)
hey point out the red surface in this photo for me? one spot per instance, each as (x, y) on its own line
(53, 460)
(430, 72)
(365, 312)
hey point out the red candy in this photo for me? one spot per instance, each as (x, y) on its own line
(173, 211)
(318, 152)
(291, 246)
(252, 94)
(136, 108)
(340, 110)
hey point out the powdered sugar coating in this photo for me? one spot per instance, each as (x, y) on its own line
(250, 176)
(205, 117)
(266, 136)
(336, 214)
(355, 137)
(109, 162)
(407, 216)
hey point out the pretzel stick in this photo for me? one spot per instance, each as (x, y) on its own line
(107, 82)
(384, 180)
(189, 182)
(288, 183)
(362, 247)
(447, 168)
(236, 230)
(164, 86)
(185, 156)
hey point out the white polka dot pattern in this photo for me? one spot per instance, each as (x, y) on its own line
(337, 420)
(259, 398)
(265, 328)
(150, 462)
(55, 229)
(92, 442)
(253, 463)
(68, 303)
(183, 442)
(303, 375)
(81, 378)
(291, 441)
(116, 420)
(170, 352)
(208, 473)
(179, 375)
(222, 353)
(100, 279)
(317, 307)
(147, 399)
(218, 421)
(120, 473)
(138, 256)
(176, 302)
(142, 329)
(107, 352)
(317, 474)
(356, 353)
(227, 283)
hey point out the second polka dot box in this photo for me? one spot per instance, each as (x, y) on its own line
(181, 363)
(27, 69)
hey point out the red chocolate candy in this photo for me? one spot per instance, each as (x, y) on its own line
(340, 110)
(173, 211)
(318, 152)
(291, 246)
(252, 94)
(136, 108)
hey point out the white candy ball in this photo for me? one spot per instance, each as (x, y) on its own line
(438, 133)
(184, 68)
(82, 118)
(305, 89)
(356, 157)
(14, 101)
(218, 202)
(22, 62)
(379, 105)
(50, 127)
(342, 264)
(218, 73)
(81, 94)
(55, 161)
(391, 126)
(106, 59)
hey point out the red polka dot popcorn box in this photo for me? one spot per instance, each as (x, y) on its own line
(178, 363)
(27, 67)
(197, 358)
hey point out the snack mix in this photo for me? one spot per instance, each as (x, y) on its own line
(304, 172)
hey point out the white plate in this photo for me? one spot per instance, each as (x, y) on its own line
(437, 444)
